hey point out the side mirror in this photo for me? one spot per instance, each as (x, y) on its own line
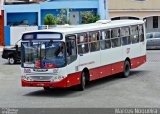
(16, 47)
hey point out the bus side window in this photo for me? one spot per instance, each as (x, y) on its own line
(125, 35)
(82, 43)
(134, 34)
(115, 38)
(141, 33)
(94, 41)
(71, 48)
(105, 42)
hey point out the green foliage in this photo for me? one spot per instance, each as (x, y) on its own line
(50, 20)
(60, 19)
(89, 17)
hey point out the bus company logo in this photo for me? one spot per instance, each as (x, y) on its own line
(128, 50)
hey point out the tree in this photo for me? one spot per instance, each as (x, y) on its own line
(62, 17)
(89, 17)
(50, 20)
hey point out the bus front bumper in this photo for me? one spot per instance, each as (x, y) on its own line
(59, 84)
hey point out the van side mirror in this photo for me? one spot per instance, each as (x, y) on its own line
(16, 47)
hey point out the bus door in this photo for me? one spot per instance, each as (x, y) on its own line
(71, 53)
(142, 40)
(117, 55)
(126, 42)
(106, 53)
(135, 49)
(142, 44)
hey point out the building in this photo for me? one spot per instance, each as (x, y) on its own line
(1, 26)
(31, 15)
(148, 10)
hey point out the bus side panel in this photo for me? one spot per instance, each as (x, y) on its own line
(127, 52)
(106, 71)
(117, 67)
(100, 72)
(135, 62)
(135, 50)
(73, 79)
(92, 62)
(94, 74)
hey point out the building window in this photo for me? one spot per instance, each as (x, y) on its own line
(155, 22)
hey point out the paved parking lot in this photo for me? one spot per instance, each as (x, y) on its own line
(141, 89)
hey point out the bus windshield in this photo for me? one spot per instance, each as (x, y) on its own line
(43, 54)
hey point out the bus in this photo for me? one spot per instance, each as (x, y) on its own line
(72, 55)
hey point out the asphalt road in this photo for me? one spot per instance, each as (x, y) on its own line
(141, 89)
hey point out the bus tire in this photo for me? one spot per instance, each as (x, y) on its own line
(82, 84)
(126, 69)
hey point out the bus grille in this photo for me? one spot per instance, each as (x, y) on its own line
(41, 78)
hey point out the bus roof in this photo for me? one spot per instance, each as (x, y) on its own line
(71, 29)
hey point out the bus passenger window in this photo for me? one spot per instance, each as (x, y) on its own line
(115, 38)
(116, 42)
(82, 42)
(105, 42)
(71, 48)
(125, 35)
(94, 41)
(141, 33)
(134, 34)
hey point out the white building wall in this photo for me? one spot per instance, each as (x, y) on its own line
(16, 33)
(149, 25)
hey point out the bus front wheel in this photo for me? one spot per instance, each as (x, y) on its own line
(126, 70)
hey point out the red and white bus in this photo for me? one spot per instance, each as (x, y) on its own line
(66, 56)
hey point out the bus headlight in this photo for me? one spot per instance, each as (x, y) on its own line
(26, 78)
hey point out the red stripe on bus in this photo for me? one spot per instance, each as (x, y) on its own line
(106, 70)
(136, 62)
(74, 79)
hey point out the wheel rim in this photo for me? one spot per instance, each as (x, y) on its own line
(11, 60)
